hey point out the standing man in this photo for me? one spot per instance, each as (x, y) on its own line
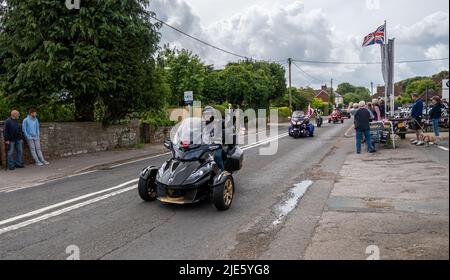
(436, 114)
(416, 114)
(362, 126)
(13, 141)
(30, 127)
(382, 108)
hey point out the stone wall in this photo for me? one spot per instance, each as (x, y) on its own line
(152, 134)
(68, 139)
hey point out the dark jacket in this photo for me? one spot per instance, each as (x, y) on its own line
(382, 110)
(362, 119)
(417, 109)
(12, 131)
(436, 111)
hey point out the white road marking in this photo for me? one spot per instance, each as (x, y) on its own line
(264, 141)
(39, 211)
(139, 160)
(295, 193)
(9, 190)
(62, 211)
(443, 148)
(346, 133)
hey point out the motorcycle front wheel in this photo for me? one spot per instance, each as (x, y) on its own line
(223, 195)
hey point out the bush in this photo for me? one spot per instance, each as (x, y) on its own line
(5, 107)
(158, 119)
(283, 112)
(52, 111)
(221, 108)
(56, 112)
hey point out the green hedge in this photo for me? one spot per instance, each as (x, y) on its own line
(283, 112)
(49, 112)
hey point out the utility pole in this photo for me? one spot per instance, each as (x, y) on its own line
(371, 86)
(290, 84)
(426, 101)
(332, 95)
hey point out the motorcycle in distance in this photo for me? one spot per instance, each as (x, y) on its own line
(300, 125)
(336, 117)
(400, 126)
(319, 119)
(192, 175)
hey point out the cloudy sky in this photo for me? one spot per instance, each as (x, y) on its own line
(324, 30)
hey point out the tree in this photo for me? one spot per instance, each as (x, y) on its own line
(345, 88)
(186, 72)
(420, 86)
(317, 103)
(100, 53)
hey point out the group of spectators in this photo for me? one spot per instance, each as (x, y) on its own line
(15, 133)
(364, 114)
(376, 108)
(417, 115)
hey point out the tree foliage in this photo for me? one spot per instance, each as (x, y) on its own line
(100, 53)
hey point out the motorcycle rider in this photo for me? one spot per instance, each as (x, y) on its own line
(212, 133)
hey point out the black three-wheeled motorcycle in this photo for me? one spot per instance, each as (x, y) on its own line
(192, 175)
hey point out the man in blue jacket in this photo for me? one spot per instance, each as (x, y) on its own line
(416, 114)
(30, 127)
(13, 140)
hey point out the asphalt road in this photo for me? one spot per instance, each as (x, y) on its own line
(102, 214)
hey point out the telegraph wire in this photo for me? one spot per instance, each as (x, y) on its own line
(367, 63)
(200, 40)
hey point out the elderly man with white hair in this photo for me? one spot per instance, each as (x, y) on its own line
(362, 126)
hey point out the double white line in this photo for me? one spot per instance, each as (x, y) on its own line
(105, 194)
(64, 210)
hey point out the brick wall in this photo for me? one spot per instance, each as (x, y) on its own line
(68, 139)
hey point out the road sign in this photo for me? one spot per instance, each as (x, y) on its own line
(188, 97)
(445, 84)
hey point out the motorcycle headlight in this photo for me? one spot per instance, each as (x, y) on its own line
(198, 174)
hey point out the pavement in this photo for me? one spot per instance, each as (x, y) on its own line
(394, 204)
(308, 201)
(33, 175)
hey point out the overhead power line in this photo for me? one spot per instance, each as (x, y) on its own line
(367, 63)
(307, 74)
(199, 40)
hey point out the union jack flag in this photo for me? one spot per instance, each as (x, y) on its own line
(377, 37)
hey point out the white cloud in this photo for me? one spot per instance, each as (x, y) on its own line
(276, 31)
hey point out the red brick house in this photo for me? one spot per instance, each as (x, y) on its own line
(323, 94)
(398, 90)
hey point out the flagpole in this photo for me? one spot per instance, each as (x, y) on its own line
(386, 82)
